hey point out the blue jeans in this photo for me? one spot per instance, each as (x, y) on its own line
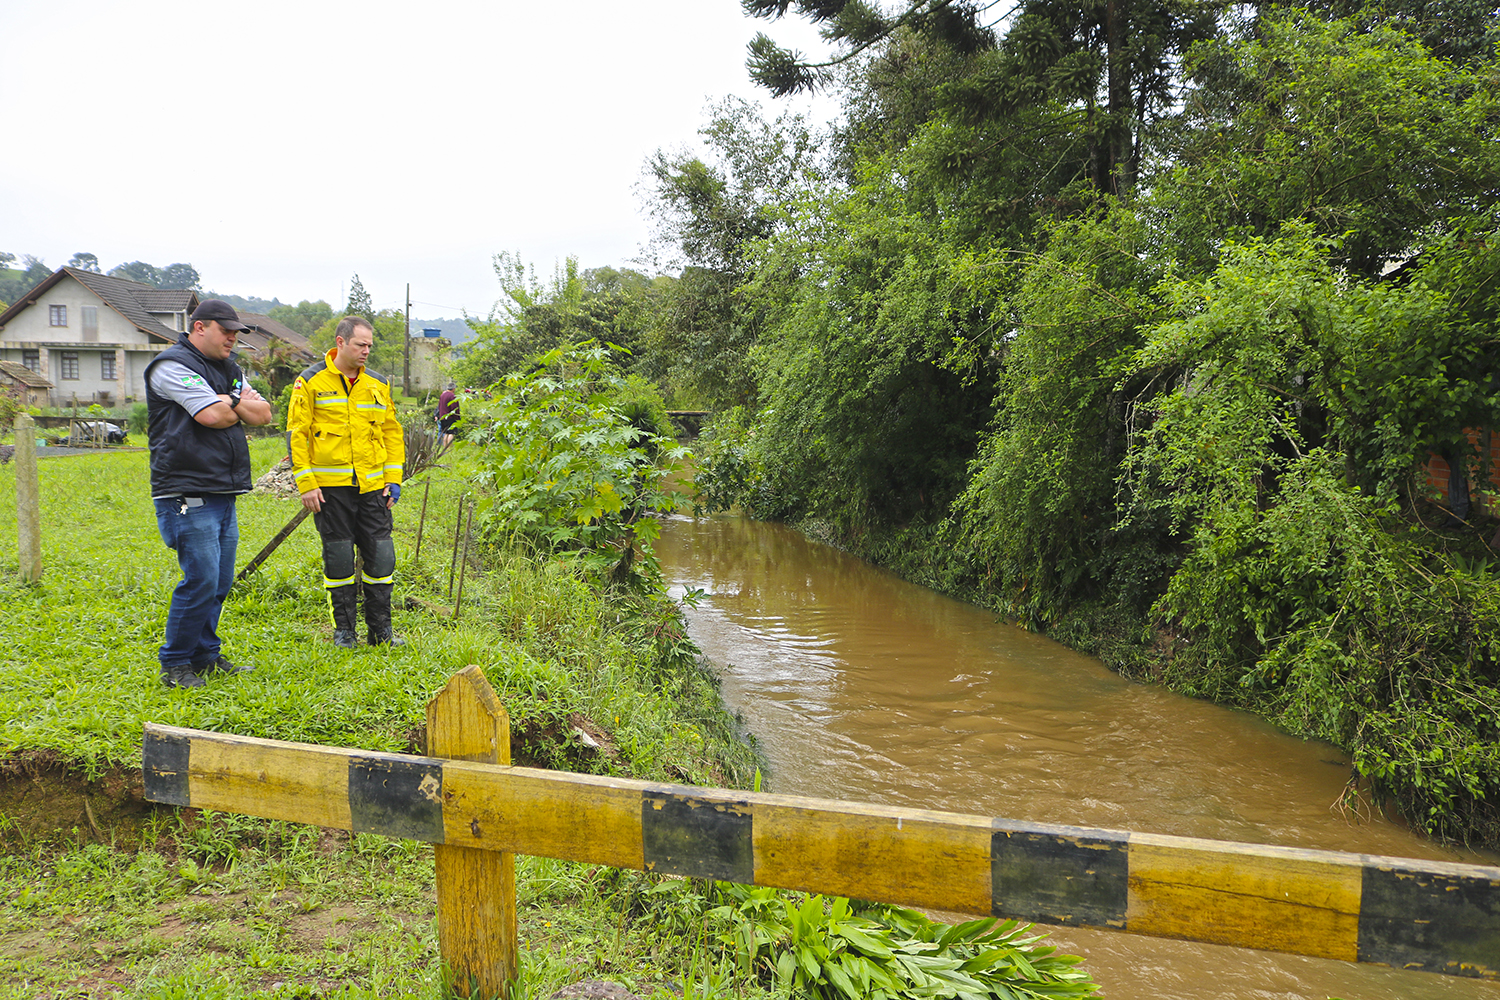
(205, 538)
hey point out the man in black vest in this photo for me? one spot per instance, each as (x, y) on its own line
(198, 402)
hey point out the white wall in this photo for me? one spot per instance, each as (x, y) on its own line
(429, 364)
(117, 335)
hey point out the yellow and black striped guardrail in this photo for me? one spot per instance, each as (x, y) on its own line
(1426, 915)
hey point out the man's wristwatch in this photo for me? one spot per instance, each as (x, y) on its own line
(234, 400)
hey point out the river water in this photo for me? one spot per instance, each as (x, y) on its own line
(860, 686)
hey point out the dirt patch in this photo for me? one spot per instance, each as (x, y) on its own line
(27, 945)
(102, 982)
(337, 927)
(576, 742)
(42, 797)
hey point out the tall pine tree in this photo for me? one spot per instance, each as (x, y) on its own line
(360, 303)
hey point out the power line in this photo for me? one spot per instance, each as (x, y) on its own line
(439, 305)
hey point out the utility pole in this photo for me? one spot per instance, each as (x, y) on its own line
(406, 354)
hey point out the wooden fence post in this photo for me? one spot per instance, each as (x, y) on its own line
(28, 500)
(476, 888)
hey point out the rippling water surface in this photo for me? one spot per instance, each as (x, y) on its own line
(860, 686)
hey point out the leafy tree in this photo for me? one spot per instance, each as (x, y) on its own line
(1364, 134)
(84, 262)
(178, 276)
(708, 219)
(360, 303)
(1461, 31)
(867, 419)
(35, 271)
(1301, 590)
(1102, 72)
(534, 317)
(28, 276)
(1038, 516)
(305, 317)
(137, 271)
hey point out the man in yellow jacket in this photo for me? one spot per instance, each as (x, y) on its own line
(347, 451)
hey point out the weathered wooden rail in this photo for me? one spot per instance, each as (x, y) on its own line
(1425, 915)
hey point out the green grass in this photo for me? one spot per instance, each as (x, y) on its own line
(212, 905)
(227, 906)
(79, 665)
(220, 906)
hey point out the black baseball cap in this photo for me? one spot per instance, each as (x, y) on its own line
(218, 309)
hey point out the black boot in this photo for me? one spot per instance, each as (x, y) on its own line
(345, 622)
(222, 665)
(378, 615)
(182, 676)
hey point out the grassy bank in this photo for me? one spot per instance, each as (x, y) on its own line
(81, 661)
(103, 895)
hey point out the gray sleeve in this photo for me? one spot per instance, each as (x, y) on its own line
(182, 386)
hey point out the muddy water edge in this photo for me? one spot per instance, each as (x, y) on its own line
(860, 686)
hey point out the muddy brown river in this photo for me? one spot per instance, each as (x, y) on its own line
(860, 686)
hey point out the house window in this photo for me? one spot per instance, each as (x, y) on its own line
(32, 359)
(107, 366)
(70, 365)
(90, 319)
(58, 315)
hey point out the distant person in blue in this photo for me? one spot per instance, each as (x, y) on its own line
(448, 411)
(198, 403)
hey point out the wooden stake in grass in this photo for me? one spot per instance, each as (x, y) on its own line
(422, 522)
(476, 888)
(458, 530)
(28, 500)
(272, 545)
(458, 601)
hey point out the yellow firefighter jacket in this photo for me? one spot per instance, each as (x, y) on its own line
(343, 433)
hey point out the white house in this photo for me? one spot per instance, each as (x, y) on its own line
(92, 335)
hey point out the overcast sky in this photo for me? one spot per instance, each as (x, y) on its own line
(281, 146)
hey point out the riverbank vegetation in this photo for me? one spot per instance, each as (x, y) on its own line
(558, 598)
(1139, 326)
(104, 895)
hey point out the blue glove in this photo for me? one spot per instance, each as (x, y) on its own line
(393, 490)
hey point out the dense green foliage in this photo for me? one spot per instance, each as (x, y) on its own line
(305, 317)
(565, 469)
(835, 950)
(1139, 324)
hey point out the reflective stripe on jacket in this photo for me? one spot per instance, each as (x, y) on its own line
(342, 434)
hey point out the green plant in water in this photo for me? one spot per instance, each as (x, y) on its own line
(565, 469)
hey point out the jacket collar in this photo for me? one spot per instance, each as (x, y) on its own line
(333, 353)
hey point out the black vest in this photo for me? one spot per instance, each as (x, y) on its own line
(188, 459)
